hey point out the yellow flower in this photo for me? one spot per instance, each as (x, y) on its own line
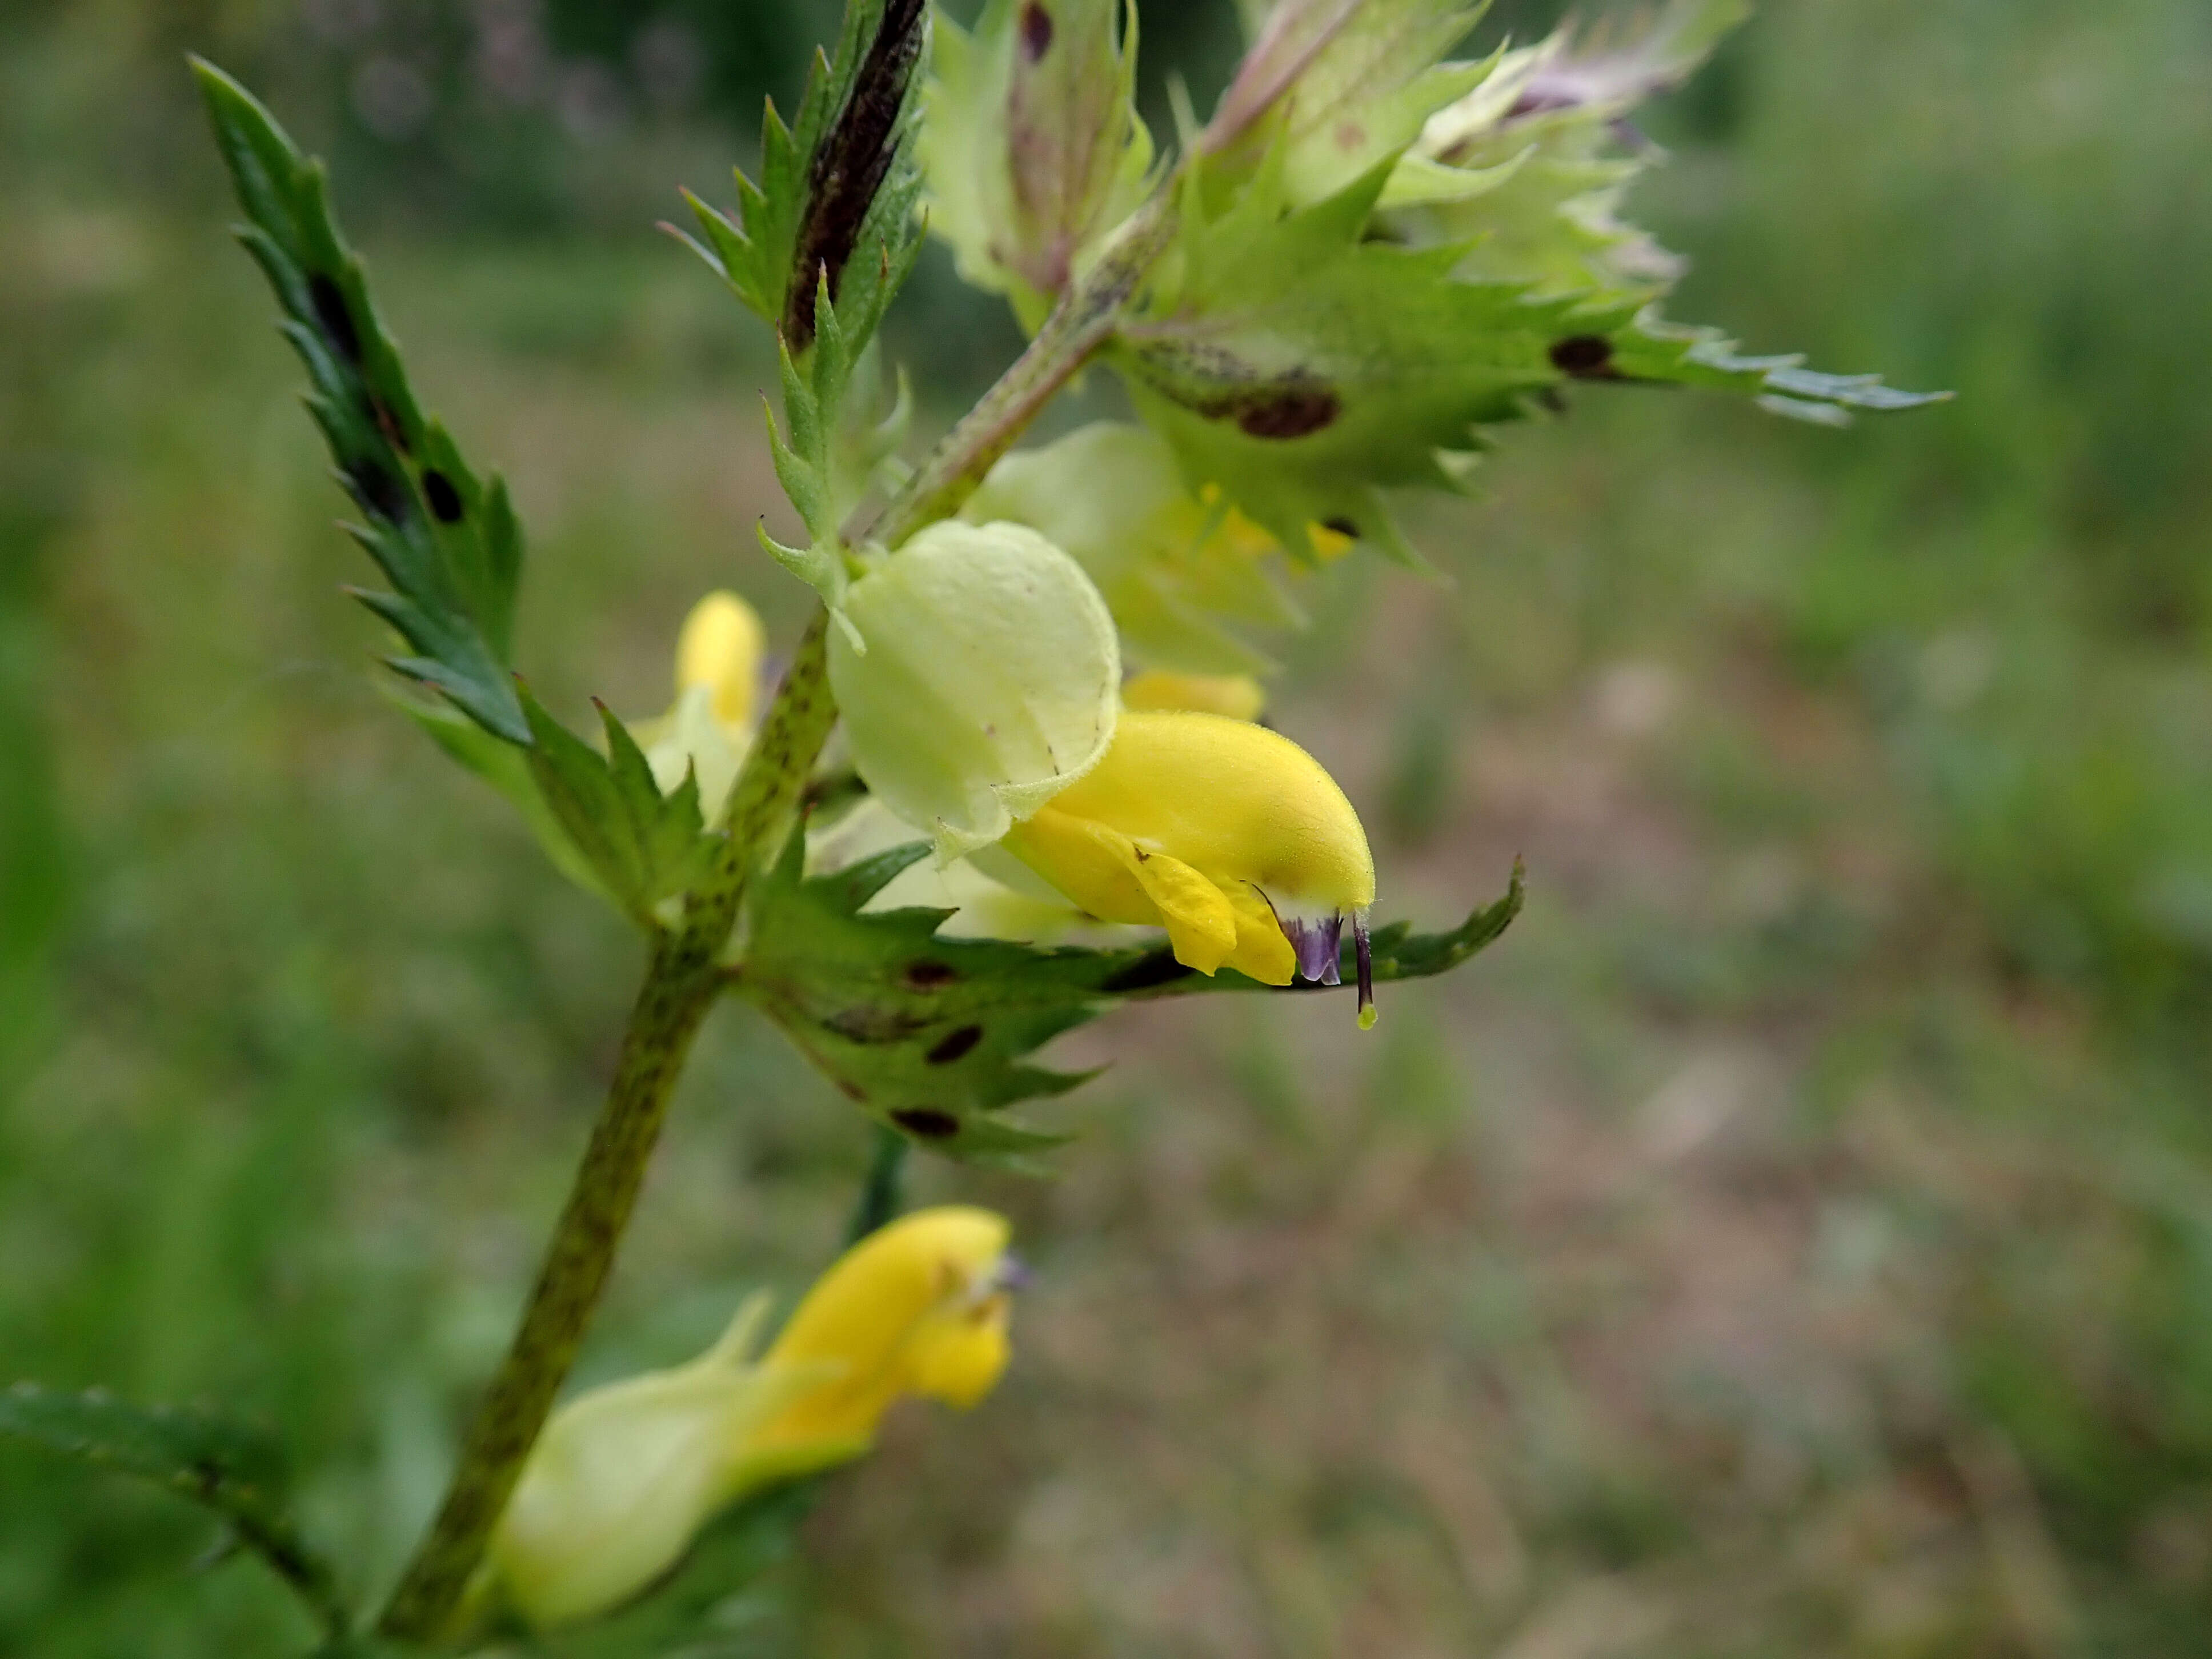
(720, 650)
(710, 726)
(1228, 835)
(625, 1475)
(1239, 697)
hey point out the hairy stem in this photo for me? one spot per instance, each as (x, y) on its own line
(1082, 322)
(680, 986)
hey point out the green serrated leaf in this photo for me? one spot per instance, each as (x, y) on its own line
(1302, 364)
(448, 542)
(1300, 367)
(641, 847)
(934, 1036)
(835, 206)
(233, 1467)
(1032, 149)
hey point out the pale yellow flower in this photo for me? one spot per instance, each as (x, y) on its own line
(624, 1475)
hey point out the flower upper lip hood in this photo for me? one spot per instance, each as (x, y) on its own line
(625, 1475)
(918, 1307)
(1227, 833)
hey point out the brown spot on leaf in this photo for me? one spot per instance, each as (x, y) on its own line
(954, 1044)
(1037, 31)
(444, 500)
(926, 975)
(1585, 356)
(1290, 412)
(927, 1121)
(378, 491)
(1342, 525)
(335, 318)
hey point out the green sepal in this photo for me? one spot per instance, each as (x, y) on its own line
(1032, 147)
(688, 1613)
(231, 1465)
(642, 846)
(448, 542)
(933, 1036)
(836, 205)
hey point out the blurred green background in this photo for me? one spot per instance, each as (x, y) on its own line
(1796, 1238)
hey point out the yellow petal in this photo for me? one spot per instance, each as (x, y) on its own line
(959, 1360)
(1201, 926)
(1094, 866)
(721, 647)
(1235, 801)
(1238, 696)
(1261, 952)
(906, 1307)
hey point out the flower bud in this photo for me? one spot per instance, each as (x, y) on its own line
(624, 1476)
(989, 679)
(1226, 834)
(721, 649)
(709, 726)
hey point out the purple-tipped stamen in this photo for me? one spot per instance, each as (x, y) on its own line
(1012, 1273)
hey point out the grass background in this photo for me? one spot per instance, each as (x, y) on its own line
(1795, 1238)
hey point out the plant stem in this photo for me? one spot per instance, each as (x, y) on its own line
(680, 986)
(1079, 324)
(685, 973)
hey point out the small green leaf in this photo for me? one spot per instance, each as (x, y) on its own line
(448, 542)
(1302, 364)
(934, 1036)
(641, 846)
(233, 1467)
